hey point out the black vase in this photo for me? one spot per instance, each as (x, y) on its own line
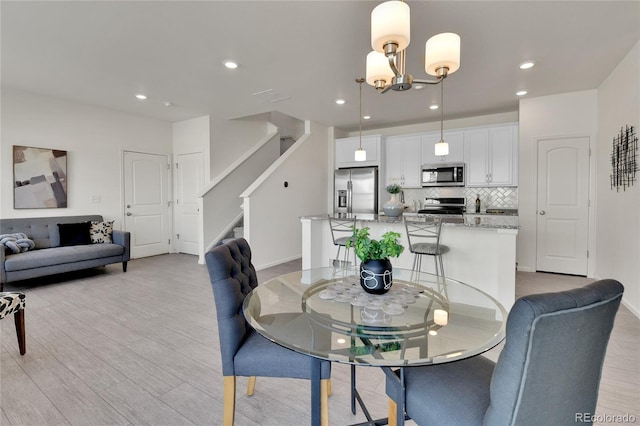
(375, 276)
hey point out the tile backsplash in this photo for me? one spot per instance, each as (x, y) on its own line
(493, 197)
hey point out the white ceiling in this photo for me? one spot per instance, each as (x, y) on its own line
(309, 52)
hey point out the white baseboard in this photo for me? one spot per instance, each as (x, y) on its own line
(525, 269)
(277, 262)
(631, 308)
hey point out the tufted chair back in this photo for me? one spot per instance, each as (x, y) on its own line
(548, 372)
(232, 278)
(551, 364)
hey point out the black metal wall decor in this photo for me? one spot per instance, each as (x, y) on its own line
(624, 158)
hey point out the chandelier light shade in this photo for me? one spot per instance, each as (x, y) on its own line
(390, 23)
(442, 51)
(378, 68)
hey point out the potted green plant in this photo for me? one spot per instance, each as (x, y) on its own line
(393, 207)
(375, 267)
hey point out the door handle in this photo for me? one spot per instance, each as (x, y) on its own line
(542, 213)
(129, 214)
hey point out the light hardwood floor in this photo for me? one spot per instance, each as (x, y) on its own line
(106, 347)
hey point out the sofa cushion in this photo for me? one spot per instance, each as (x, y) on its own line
(100, 232)
(73, 234)
(60, 255)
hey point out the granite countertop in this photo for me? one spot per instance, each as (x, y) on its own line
(490, 221)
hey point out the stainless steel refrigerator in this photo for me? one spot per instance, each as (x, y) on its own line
(356, 190)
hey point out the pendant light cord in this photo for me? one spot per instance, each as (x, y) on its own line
(360, 81)
(442, 111)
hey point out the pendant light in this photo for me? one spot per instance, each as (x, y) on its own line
(360, 154)
(442, 148)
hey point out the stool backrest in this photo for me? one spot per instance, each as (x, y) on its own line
(423, 232)
(341, 227)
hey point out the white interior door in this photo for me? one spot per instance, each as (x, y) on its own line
(189, 184)
(147, 209)
(563, 205)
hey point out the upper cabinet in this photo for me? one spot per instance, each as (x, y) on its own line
(491, 156)
(403, 160)
(346, 148)
(455, 139)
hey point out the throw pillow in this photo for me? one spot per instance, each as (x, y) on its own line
(74, 234)
(100, 232)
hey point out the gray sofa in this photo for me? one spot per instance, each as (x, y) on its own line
(49, 257)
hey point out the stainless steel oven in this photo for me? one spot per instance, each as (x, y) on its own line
(443, 174)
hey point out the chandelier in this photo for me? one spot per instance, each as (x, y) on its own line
(390, 36)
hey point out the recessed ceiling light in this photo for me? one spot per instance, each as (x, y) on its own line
(168, 104)
(141, 96)
(434, 107)
(418, 86)
(366, 117)
(521, 93)
(340, 101)
(232, 65)
(526, 65)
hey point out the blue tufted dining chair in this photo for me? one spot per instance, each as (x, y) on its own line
(13, 303)
(548, 372)
(244, 351)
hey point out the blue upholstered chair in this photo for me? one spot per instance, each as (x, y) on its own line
(245, 352)
(13, 303)
(548, 372)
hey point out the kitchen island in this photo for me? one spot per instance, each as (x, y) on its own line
(483, 248)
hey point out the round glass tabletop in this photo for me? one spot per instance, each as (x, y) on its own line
(325, 312)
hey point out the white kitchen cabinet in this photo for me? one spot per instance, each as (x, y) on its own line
(455, 139)
(491, 156)
(346, 147)
(403, 160)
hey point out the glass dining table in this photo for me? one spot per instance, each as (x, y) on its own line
(422, 320)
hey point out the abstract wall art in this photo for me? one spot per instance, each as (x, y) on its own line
(624, 159)
(39, 178)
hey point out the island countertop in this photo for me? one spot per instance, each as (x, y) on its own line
(490, 221)
(480, 254)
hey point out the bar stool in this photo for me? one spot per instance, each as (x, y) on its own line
(424, 239)
(341, 231)
(13, 303)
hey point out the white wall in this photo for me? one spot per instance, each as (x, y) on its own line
(272, 213)
(618, 217)
(230, 139)
(287, 126)
(567, 114)
(94, 139)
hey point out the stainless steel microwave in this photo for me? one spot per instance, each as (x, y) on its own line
(443, 174)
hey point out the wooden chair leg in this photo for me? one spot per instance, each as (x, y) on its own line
(324, 402)
(393, 409)
(229, 400)
(251, 386)
(18, 317)
(328, 387)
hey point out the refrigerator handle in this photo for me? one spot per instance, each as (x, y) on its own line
(349, 197)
